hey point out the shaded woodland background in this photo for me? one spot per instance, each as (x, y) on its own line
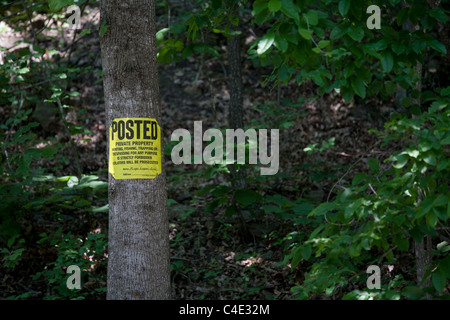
(54, 167)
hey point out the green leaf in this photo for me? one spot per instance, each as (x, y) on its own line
(246, 197)
(413, 153)
(290, 9)
(317, 78)
(296, 256)
(103, 28)
(312, 17)
(323, 208)
(85, 31)
(347, 94)
(431, 219)
(425, 207)
(205, 48)
(398, 48)
(22, 70)
(437, 106)
(323, 43)
(443, 246)
(344, 6)
(216, 4)
(440, 201)
(413, 292)
(230, 211)
(387, 62)
(352, 207)
(220, 191)
(160, 35)
(303, 208)
(418, 46)
(430, 158)
(274, 5)
(439, 280)
(439, 14)
(401, 161)
(234, 19)
(358, 179)
(356, 33)
(358, 87)
(338, 32)
(305, 33)
(56, 5)
(73, 181)
(31, 154)
(438, 46)
(444, 264)
(402, 243)
(448, 211)
(283, 73)
(406, 102)
(390, 87)
(48, 151)
(278, 199)
(374, 165)
(271, 209)
(177, 28)
(306, 251)
(212, 206)
(402, 16)
(445, 91)
(265, 43)
(259, 6)
(281, 44)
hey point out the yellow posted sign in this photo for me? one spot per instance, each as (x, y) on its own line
(134, 148)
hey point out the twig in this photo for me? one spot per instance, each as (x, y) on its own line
(443, 238)
(444, 228)
(25, 8)
(385, 254)
(340, 179)
(351, 167)
(373, 190)
(10, 130)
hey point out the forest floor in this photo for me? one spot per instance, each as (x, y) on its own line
(211, 257)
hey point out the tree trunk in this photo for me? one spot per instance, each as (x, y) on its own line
(138, 250)
(236, 118)
(236, 112)
(235, 83)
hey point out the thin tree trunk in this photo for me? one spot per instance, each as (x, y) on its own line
(236, 112)
(421, 260)
(236, 115)
(421, 256)
(138, 251)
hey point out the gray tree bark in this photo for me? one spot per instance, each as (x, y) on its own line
(138, 251)
(236, 109)
(236, 116)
